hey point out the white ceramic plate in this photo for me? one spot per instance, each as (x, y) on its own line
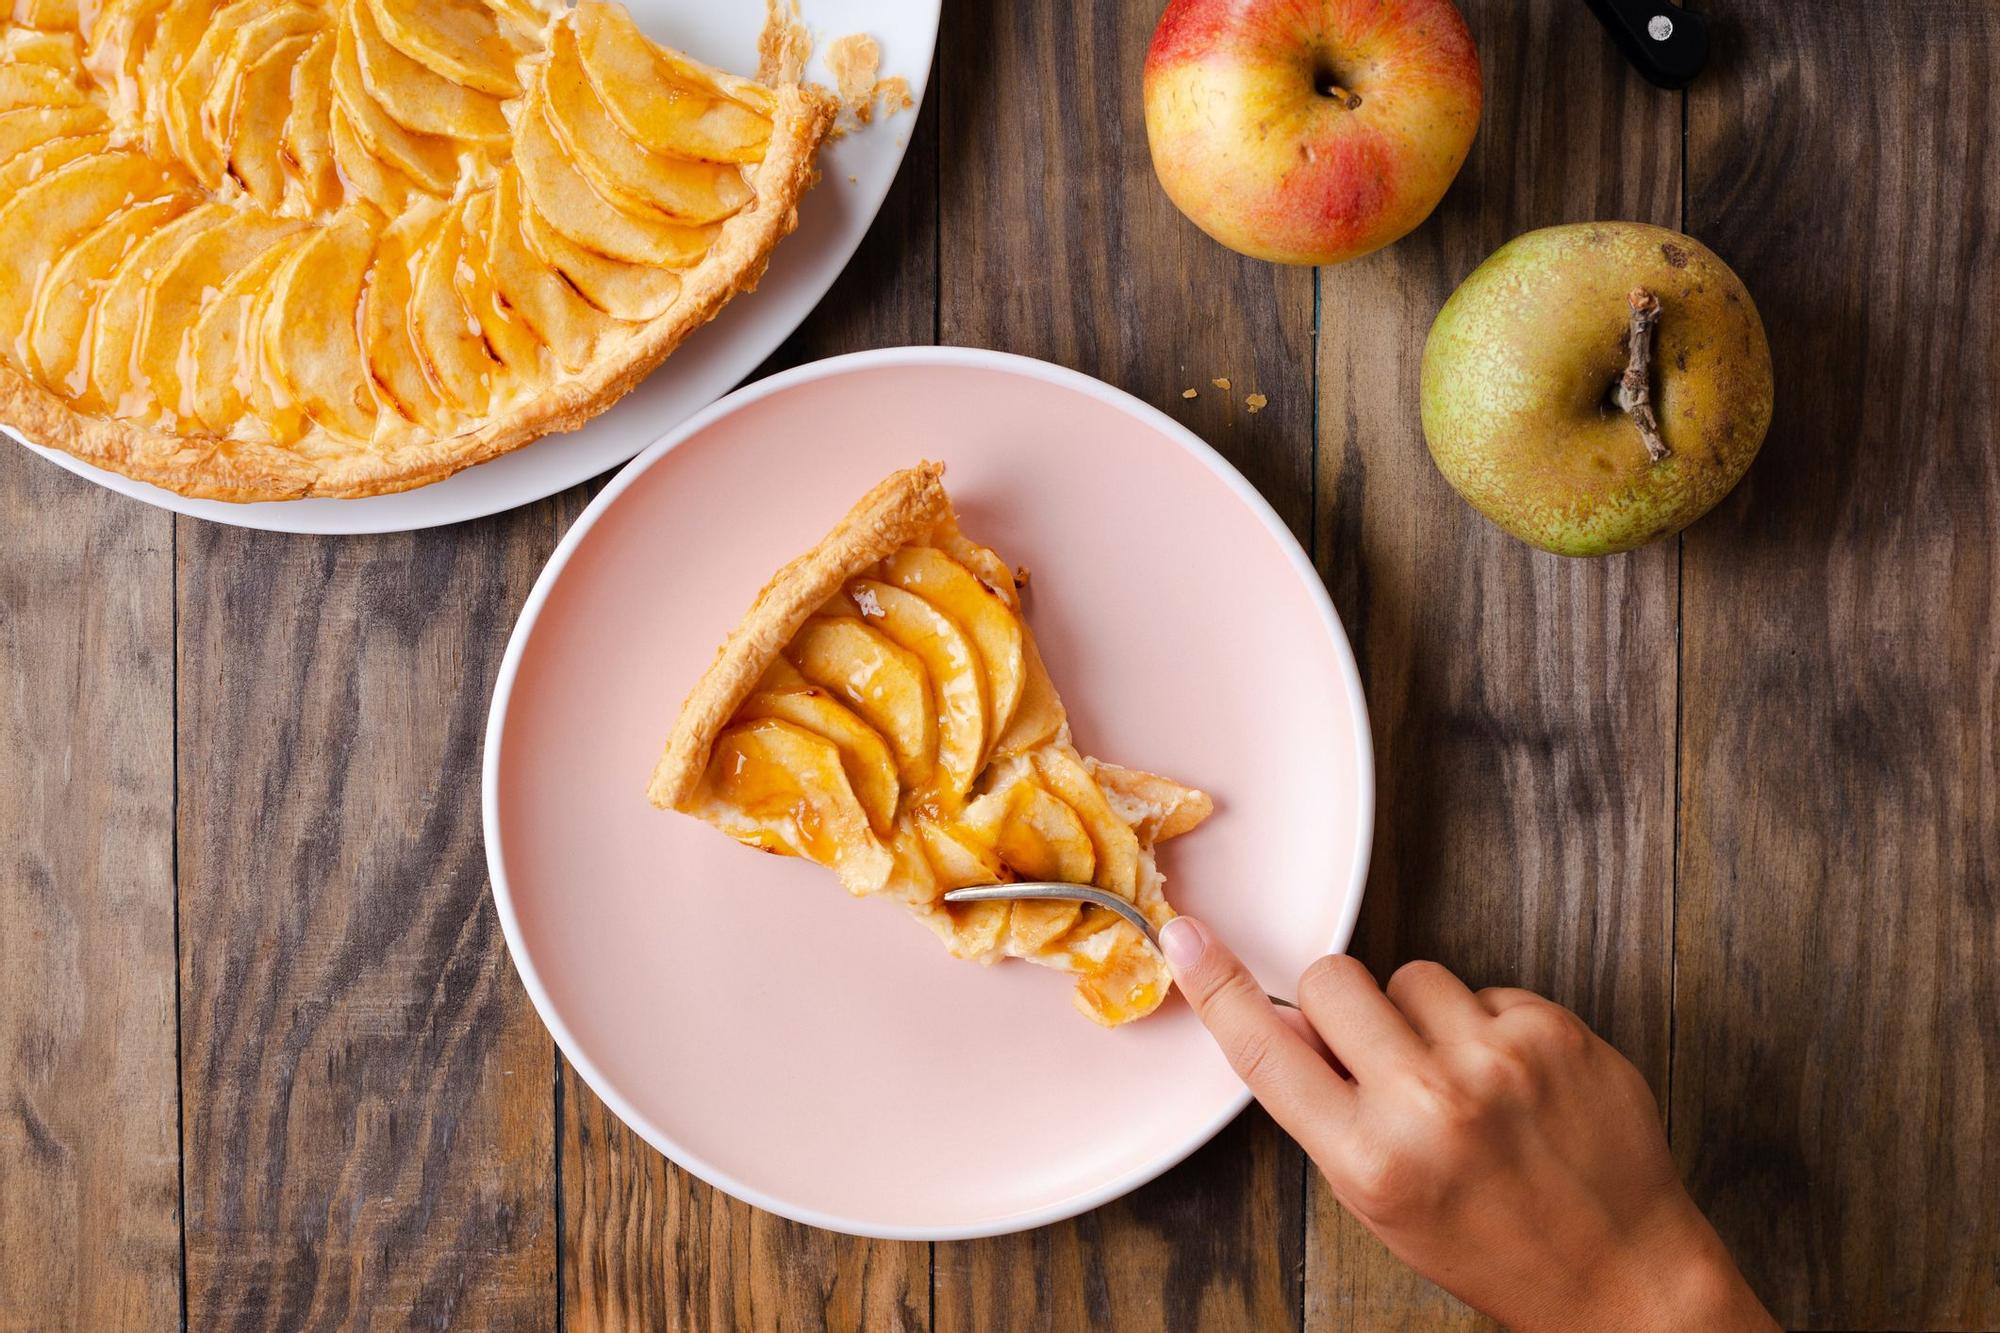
(825, 1058)
(833, 219)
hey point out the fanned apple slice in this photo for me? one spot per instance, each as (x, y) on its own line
(23, 169)
(508, 338)
(270, 411)
(621, 290)
(781, 677)
(117, 35)
(959, 858)
(223, 348)
(385, 317)
(1036, 837)
(191, 84)
(66, 297)
(631, 176)
(46, 13)
(568, 325)
(28, 126)
(305, 143)
(459, 39)
(113, 39)
(573, 206)
(38, 85)
(177, 33)
(252, 42)
(444, 332)
(42, 220)
(418, 97)
(958, 683)
(993, 627)
(162, 357)
(871, 768)
(309, 339)
(529, 17)
(366, 175)
(1039, 717)
(257, 120)
(109, 384)
(881, 680)
(1042, 838)
(667, 103)
(31, 46)
(1116, 846)
(775, 785)
(426, 159)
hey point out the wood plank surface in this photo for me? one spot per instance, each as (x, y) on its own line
(1058, 242)
(1837, 1043)
(89, 1129)
(1736, 799)
(369, 1096)
(646, 1245)
(1522, 703)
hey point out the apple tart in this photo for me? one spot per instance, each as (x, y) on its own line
(264, 249)
(882, 710)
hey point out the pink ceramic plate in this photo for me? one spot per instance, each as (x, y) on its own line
(822, 1057)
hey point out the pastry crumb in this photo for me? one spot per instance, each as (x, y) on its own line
(1256, 402)
(856, 60)
(894, 93)
(854, 180)
(784, 47)
(1220, 381)
(1190, 393)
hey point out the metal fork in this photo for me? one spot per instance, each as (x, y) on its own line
(1048, 891)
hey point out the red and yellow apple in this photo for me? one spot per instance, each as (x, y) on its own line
(1310, 131)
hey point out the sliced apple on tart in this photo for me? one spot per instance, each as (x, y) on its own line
(881, 710)
(490, 219)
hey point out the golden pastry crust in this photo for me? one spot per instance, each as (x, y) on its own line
(211, 467)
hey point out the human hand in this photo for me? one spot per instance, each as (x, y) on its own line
(1492, 1141)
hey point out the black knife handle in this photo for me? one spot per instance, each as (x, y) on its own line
(1664, 42)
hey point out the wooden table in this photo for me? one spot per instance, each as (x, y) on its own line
(1735, 797)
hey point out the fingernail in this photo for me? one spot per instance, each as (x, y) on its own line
(1183, 940)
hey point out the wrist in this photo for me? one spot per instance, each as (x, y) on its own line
(1676, 1276)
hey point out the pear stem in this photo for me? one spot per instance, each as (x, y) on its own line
(1635, 392)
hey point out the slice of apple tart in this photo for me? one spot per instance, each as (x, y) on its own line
(262, 249)
(882, 710)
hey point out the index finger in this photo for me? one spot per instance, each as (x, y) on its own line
(1291, 1079)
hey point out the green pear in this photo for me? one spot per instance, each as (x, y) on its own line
(1594, 387)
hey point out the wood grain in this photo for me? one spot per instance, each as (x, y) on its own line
(646, 1245)
(1058, 242)
(1522, 704)
(376, 1128)
(1837, 1044)
(369, 1096)
(89, 1133)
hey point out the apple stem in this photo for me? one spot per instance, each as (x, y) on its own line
(1635, 392)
